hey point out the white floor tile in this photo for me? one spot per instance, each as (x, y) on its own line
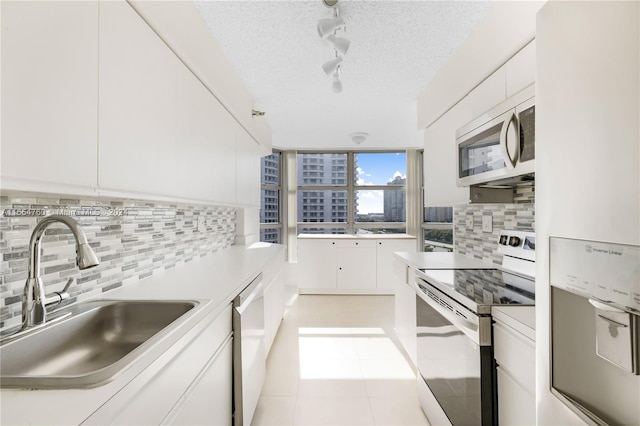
(326, 369)
(397, 411)
(391, 388)
(335, 361)
(385, 369)
(333, 411)
(274, 410)
(346, 388)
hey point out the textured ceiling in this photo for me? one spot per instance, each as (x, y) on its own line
(396, 48)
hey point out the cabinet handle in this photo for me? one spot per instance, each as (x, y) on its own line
(340, 269)
(356, 243)
(333, 244)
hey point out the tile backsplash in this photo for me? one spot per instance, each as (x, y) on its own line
(133, 240)
(483, 245)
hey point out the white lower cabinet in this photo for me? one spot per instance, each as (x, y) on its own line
(384, 260)
(514, 353)
(354, 264)
(317, 264)
(405, 304)
(348, 265)
(516, 404)
(274, 305)
(208, 401)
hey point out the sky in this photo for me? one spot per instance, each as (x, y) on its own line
(377, 169)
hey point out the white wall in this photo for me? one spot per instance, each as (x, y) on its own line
(587, 145)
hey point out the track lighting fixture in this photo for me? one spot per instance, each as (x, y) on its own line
(327, 29)
(336, 86)
(327, 26)
(341, 45)
(331, 66)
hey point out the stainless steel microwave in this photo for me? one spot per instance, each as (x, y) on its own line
(499, 147)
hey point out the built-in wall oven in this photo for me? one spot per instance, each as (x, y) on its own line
(499, 146)
(595, 329)
(457, 374)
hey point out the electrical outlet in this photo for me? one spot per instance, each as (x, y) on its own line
(200, 225)
(487, 223)
(469, 223)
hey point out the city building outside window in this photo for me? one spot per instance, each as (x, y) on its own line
(271, 201)
(348, 192)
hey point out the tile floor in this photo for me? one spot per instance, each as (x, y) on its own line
(336, 361)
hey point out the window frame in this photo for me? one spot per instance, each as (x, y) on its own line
(274, 187)
(424, 226)
(350, 226)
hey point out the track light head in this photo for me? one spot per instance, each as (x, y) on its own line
(331, 66)
(340, 44)
(336, 85)
(327, 26)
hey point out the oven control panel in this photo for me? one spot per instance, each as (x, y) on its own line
(520, 244)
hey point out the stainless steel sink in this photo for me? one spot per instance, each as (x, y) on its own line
(89, 347)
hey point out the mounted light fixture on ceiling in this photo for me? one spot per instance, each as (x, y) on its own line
(327, 29)
(359, 137)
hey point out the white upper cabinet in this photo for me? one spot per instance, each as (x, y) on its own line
(49, 93)
(206, 148)
(138, 90)
(248, 154)
(184, 30)
(521, 69)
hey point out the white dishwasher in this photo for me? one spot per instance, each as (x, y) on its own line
(249, 368)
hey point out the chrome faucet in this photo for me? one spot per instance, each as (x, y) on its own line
(34, 301)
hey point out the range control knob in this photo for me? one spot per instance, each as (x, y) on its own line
(514, 241)
(504, 240)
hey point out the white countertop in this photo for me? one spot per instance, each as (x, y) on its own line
(441, 260)
(520, 318)
(356, 236)
(214, 279)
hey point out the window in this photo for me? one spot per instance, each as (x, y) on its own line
(351, 192)
(271, 190)
(437, 227)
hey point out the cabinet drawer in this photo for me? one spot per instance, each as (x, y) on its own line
(515, 352)
(355, 243)
(516, 405)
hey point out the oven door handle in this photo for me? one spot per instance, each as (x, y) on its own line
(467, 327)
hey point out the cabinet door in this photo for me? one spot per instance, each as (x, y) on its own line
(247, 169)
(205, 133)
(137, 98)
(209, 401)
(50, 91)
(273, 308)
(521, 69)
(516, 406)
(355, 263)
(405, 304)
(316, 263)
(384, 260)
